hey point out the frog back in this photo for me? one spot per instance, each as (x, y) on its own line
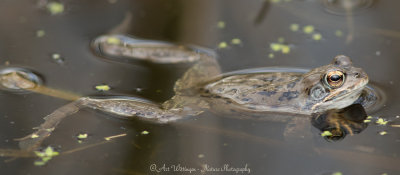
(274, 91)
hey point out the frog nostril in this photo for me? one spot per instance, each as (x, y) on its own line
(357, 75)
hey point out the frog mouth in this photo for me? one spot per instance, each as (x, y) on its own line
(339, 102)
(354, 94)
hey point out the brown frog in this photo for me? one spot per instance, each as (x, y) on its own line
(333, 86)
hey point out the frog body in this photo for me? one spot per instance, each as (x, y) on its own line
(203, 87)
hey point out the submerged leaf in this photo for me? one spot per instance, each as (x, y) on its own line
(326, 133)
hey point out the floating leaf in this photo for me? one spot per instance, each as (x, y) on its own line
(82, 136)
(222, 45)
(381, 121)
(236, 41)
(55, 8)
(102, 87)
(308, 29)
(317, 36)
(45, 155)
(276, 47)
(221, 24)
(40, 33)
(367, 121)
(338, 33)
(294, 27)
(200, 156)
(271, 55)
(285, 49)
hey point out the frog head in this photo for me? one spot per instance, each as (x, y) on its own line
(334, 86)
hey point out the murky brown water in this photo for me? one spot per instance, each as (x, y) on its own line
(370, 37)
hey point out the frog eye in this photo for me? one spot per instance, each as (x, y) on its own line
(334, 79)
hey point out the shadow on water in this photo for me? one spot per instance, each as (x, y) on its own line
(209, 139)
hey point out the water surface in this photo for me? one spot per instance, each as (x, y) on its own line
(370, 36)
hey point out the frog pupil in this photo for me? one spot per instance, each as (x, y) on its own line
(335, 77)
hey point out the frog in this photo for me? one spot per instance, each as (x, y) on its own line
(203, 87)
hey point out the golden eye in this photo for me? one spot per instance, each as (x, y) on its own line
(334, 79)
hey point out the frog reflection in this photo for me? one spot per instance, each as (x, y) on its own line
(341, 122)
(203, 87)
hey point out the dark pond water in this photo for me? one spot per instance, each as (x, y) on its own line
(367, 31)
